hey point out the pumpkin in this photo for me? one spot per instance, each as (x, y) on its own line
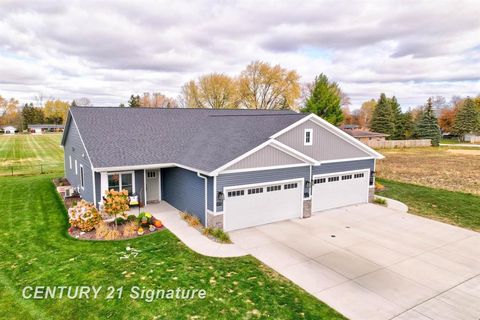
(140, 231)
(157, 223)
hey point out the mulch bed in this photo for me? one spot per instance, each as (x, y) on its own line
(90, 235)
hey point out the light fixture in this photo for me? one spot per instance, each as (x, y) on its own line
(220, 196)
(307, 184)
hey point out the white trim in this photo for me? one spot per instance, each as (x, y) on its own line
(94, 188)
(82, 177)
(206, 197)
(294, 153)
(305, 143)
(346, 160)
(81, 139)
(70, 161)
(301, 186)
(76, 167)
(215, 194)
(266, 168)
(160, 184)
(145, 186)
(338, 132)
(149, 166)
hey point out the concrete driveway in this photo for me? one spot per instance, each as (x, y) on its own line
(370, 262)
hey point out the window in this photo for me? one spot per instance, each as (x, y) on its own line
(321, 180)
(290, 186)
(70, 161)
(358, 175)
(82, 177)
(76, 167)
(308, 137)
(236, 193)
(347, 177)
(151, 174)
(121, 181)
(255, 190)
(274, 188)
(332, 179)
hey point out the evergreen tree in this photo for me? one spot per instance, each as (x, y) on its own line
(325, 100)
(408, 125)
(73, 104)
(382, 118)
(134, 101)
(467, 119)
(399, 130)
(121, 105)
(32, 115)
(427, 127)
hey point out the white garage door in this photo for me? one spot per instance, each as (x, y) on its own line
(260, 204)
(339, 190)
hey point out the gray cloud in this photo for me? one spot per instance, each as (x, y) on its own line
(109, 49)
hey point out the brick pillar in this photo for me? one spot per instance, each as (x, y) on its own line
(307, 208)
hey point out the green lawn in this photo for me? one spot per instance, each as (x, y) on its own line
(30, 154)
(456, 208)
(36, 250)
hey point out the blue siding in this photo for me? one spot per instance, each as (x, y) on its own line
(210, 195)
(344, 166)
(98, 187)
(184, 190)
(140, 185)
(252, 177)
(73, 147)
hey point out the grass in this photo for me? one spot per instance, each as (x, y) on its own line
(380, 201)
(26, 152)
(36, 250)
(453, 169)
(456, 208)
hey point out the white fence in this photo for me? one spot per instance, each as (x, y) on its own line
(386, 144)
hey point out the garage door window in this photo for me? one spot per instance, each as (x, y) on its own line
(290, 186)
(274, 188)
(321, 180)
(236, 193)
(255, 190)
(332, 179)
(358, 175)
(347, 177)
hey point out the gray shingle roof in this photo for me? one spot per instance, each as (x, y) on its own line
(203, 139)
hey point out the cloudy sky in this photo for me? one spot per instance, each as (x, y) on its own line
(106, 50)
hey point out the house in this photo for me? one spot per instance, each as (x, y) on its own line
(231, 168)
(41, 128)
(363, 135)
(9, 129)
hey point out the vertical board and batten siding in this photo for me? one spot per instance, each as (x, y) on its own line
(184, 190)
(262, 176)
(73, 147)
(265, 157)
(325, 144)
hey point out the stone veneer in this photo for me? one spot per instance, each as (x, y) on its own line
(371, 194)
(215, 221)
(307, 208)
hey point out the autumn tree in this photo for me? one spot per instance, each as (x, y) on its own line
(9, 111)
(366, 113)
(347, 115)
(467, 119)
(446, 120)
(427, 126)
(56, 111)
(214, 90)
(382, 117)
(325, 100)
(263, 86)
(134, 101)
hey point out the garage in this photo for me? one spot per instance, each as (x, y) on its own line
(254, 205)
(339, 189)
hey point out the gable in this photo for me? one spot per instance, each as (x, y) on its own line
(266, 157)
(325, 144)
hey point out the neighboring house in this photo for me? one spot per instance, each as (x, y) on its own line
(41, 128)
(9, 129)
(231, 168)
(364, 135)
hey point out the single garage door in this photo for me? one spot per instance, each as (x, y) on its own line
(339, 190)
(260, 204)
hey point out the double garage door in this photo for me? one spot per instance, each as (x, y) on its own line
(260, 204)
(339, 190)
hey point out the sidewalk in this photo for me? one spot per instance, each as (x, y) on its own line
(190, 236)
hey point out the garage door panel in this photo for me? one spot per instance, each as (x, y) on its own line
(339, 190)
(275, 202)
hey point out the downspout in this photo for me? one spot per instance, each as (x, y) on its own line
(206, 197)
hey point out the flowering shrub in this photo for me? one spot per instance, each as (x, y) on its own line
(116, 202)
(84, 216)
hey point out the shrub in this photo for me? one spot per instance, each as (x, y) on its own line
(116, 202)
(379, 186)
(207, 231)
(380, 201)
(184, 215)
(130, 229)
(101, 230)
(132, 217)
(193, 221)
(84, 216)
(144, 218)
(112, 234)
(119, 221)
(220, 235)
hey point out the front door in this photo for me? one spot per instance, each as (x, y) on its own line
(153, 186)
